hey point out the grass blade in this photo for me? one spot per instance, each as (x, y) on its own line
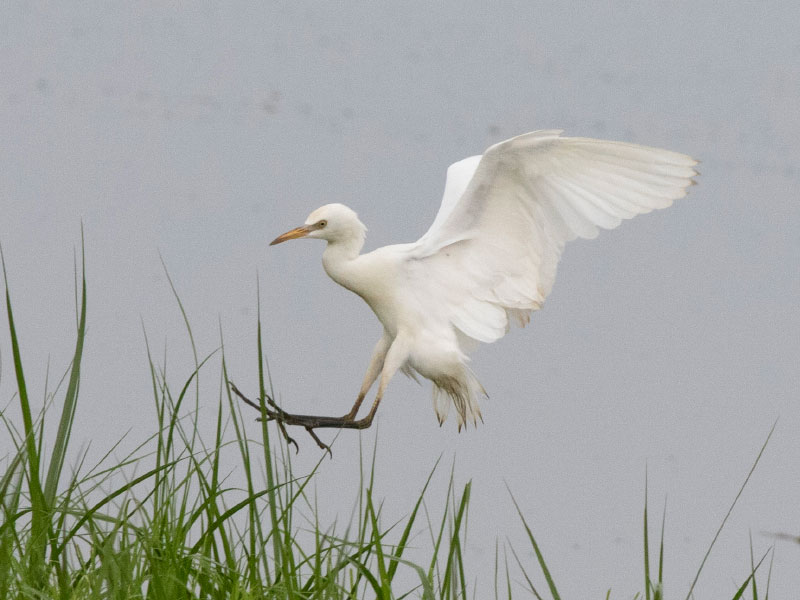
(273, 496)
(646, 543)
(39, 510)
(454, 555)
(9, 504)
(550, 583)
(531, 587)
(407, 531)
(769, 573)
(70, 399)
(730, 510)
(384, 581)
(752, 577)
(752, 568)
(659, 593)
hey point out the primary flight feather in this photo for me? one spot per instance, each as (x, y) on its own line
(490, 256)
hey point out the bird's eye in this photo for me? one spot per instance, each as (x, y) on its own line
(322, 224)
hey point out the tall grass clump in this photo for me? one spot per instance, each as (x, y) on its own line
(184, 516)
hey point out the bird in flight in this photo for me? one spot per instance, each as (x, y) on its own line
(488, 260)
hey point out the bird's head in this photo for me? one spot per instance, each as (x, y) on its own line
(332, 222)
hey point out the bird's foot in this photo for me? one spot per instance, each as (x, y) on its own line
(282, 418)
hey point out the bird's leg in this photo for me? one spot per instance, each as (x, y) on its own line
(373, 370)
(354, 411)
(397, 355)
(394, 359)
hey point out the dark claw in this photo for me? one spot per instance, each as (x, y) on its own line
(289, 439)
(320, 443)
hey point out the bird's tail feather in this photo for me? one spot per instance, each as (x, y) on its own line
(463, 393)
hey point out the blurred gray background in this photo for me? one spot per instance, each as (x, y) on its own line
(201, 131)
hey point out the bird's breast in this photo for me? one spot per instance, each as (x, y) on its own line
(378, 279)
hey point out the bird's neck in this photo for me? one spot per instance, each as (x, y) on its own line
(339, 258)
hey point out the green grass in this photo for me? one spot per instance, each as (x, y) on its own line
(181, 516)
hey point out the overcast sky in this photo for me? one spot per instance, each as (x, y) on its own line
(202, 131)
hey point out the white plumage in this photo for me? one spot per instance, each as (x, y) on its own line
(490, 256)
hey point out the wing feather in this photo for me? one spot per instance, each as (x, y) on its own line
(491, 254)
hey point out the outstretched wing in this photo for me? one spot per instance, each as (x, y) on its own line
(492, 251)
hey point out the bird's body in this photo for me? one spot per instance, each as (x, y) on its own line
(490, 257)
(433, 347)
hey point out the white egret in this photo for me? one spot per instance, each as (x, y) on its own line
(488, 259)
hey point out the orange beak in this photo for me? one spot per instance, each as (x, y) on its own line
(297, 232)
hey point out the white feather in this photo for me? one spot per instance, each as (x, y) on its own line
(526, 198)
